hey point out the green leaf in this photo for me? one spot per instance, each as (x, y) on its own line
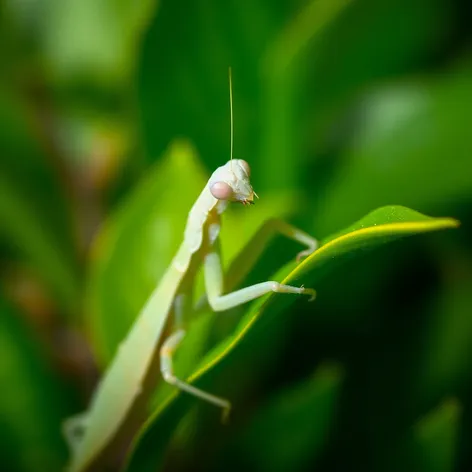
(368, 48)
(97, 39)
(435, 438)
(409, 147)
(32, 401)
(379, 227)
(295, 425)
(282, 80)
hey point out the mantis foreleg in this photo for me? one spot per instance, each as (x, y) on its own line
(243, 263)
(214, 286)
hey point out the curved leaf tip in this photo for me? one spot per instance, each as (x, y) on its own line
(382, 225)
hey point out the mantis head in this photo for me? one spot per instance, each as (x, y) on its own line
(231, 182)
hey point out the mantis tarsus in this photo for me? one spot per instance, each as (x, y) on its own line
(89, 433)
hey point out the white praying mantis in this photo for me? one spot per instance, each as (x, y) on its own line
(90, 432)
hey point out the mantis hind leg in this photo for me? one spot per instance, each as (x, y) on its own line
(166, 353)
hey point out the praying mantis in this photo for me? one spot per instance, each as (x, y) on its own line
(90, 432)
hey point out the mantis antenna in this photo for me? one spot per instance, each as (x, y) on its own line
(231, 110)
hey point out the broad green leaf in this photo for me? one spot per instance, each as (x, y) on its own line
(282, 79)
(291, 430)
(410, 148)
(32, 402)
(368, 49)
(379, 227)
(435, 438)
(94, 39)
(34, 217)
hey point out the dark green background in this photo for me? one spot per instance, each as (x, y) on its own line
(340, 107)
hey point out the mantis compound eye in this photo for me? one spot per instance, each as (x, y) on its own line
(245, 166)
(221, 191)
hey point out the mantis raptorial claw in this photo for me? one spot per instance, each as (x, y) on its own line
(309, 291)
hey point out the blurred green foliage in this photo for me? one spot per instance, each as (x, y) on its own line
(113, 114)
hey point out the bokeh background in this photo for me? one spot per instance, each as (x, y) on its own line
(112, 113)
